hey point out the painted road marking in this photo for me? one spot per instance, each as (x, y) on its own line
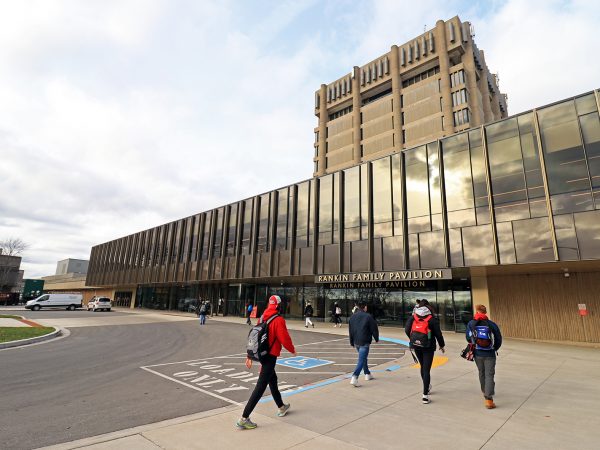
(303, 362)
(222, 377)
(437, 361)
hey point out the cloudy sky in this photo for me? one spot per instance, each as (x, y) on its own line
(117, 116)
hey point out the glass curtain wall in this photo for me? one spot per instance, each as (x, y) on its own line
(523, 229)
(328, 226)
(469, 230)
(303, 256)
(570, 134)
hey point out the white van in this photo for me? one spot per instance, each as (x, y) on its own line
(69, 301)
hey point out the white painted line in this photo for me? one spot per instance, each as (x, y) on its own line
(197, 359)
(313, 373)
(322, 342)
(193, 387)
(354, 353)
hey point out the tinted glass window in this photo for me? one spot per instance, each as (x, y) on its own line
(232, 228)
(303, 216)
(565, 237)
(247, 225)
(533, 242)
(431, 246)
(264, 225)
(478, 245)
(565, 159)
(417, 190)
(352, 204)
(506, 243)
(507, 171)
(588, 234)
(397, 193)
(382, 198)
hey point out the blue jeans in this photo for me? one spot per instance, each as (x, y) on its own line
(202, 319)
(362, 364)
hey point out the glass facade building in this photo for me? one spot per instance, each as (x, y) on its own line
(522, 190)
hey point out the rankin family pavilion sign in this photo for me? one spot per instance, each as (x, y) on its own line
(395, 279)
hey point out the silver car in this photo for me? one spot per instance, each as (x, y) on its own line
(99, 304)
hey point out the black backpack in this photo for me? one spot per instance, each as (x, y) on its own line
(258, 340)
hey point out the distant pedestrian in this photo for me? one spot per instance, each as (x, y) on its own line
(248, 312)
(355, 308)
(487, 338)
(336, 314)
(362, 329)
(202, 313)
(423, 329)
(220, 306)
(308, 313)
(278, 336)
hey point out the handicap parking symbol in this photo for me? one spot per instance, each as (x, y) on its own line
(303, 362)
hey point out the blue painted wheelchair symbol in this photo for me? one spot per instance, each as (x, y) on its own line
(303, 362)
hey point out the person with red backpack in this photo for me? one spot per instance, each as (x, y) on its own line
(423, 330)
(277, 336)
(486, 337)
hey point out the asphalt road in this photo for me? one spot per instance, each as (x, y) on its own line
(107, 378)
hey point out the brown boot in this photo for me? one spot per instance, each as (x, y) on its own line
(489, 404)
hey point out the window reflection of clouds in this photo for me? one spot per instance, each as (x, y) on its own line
(533, 242)
(417, 184)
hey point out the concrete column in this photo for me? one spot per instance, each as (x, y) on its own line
(396, 92)
(488, 115)
(323, 117)
(356, 104)
(442, 50)
(479, 290)
(470, 73)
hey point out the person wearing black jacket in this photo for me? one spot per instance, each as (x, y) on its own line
(308, 313)
(425, 348)
(362, 329)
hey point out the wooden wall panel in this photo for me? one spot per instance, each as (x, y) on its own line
(544, 306)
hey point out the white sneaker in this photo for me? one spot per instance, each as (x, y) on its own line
(425, 399)
(354, 381)
(369, 377)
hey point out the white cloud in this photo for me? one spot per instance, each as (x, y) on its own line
(121, 115)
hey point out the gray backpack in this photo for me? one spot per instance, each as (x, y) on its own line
(258, 340)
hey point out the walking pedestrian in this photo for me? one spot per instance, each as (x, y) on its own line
(362, 329)
(337, 315)
(487, 338)
(423, 330)
(249, 308)
(220, 306)
(278, 336)
(202, 313)
(308, 313)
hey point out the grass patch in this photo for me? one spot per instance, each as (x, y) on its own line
(6, 316)
(8, 334)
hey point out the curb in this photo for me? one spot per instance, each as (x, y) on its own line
(22, 342)
(141, 429)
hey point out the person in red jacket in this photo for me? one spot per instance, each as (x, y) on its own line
(278, 337)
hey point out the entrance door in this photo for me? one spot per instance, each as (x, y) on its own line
(410, 300)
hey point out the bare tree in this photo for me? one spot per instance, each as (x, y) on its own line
(13, 246)
(9, 267)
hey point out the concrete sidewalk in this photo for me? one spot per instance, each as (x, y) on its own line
(547, 395)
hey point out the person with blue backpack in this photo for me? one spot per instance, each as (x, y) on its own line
(486, 337)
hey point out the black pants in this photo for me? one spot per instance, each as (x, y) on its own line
(425, 357)
(266, 377)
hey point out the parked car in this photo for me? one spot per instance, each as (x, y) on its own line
(69, 301)
(99, 304)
